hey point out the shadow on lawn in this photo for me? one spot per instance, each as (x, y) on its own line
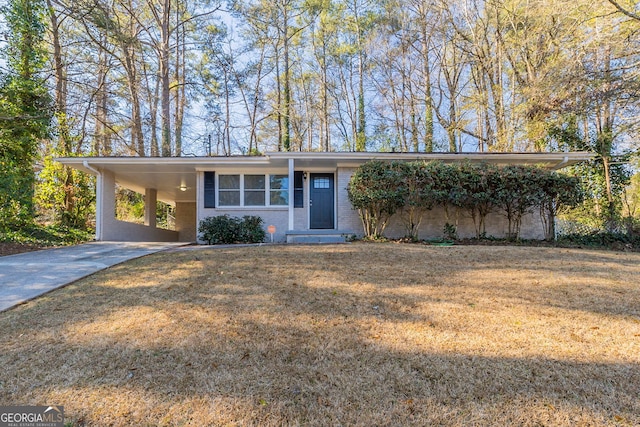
(299, 379)
(602, 279)
(281, 350)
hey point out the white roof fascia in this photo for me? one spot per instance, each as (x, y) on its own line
(165, 160)
(555, 160)
(551, 160)
(363, 155)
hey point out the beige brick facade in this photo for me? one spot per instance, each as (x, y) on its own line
(186, 221)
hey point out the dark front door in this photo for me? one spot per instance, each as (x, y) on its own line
(321, 199)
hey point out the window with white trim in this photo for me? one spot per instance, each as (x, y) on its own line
(279, 190)
(229, 190)
(253, 190)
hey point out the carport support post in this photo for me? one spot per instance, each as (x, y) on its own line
(150, 202)
(106, 206)
(99, 204)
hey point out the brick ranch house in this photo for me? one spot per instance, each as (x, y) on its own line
(302, 194)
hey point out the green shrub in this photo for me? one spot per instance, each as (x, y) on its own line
(223, 229)
(517, 192)
(601, 239)
(559, 193)
(423, 191)
(219, 229)
(450, 231)
(377, 190)
(251, 230)
(477, 184)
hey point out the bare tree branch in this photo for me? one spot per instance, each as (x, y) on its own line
(624, 11)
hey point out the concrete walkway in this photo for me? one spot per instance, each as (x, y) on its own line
(28, 275)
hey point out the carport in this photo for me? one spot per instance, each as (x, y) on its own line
(169, 180)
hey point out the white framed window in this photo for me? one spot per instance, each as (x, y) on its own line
(279, 190)
(229, 190)
(247, 190)
(254, 190)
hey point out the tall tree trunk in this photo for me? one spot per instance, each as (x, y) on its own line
(325, 99)
(503, 142)
(604, 127)
(279, 102)
(414, 126)
(137, 136)
(64, 147)
(286, 105)
(428, 103)
(227, 112)
(308, 107)
(153, 100)
(101, 139)
(165, 102)
(180, 88)
(361, 141)
(61, 83)
(252, 111)
(128, 45)
(324, 119)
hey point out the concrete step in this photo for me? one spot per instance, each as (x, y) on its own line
(320, 236)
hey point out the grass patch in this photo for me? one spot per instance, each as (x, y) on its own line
(356, 334)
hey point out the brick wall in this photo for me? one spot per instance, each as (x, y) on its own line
(186, 221)
(348, 218)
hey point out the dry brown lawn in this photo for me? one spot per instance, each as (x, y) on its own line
(359, 334)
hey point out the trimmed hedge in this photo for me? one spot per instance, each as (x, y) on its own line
(223, 229)
(380, 189)
(377, 190)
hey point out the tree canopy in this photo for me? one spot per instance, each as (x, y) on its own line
(196, 77)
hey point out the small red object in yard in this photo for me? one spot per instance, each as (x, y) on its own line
(271, 229)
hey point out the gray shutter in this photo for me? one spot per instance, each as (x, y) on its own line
(298, 189)
(209, 189)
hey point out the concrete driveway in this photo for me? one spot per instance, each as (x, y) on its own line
(28, 275)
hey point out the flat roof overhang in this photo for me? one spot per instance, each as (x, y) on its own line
(553, 161)
(169, 175)
(174, 178)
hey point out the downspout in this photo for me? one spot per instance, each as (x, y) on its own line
(99, 191)
(560, 165)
